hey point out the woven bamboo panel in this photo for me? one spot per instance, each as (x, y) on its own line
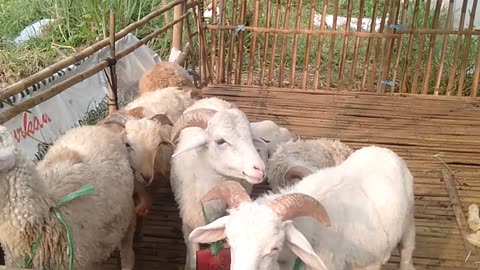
(416, 127)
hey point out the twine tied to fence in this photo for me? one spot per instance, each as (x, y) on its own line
(85, 190)
(240, 27)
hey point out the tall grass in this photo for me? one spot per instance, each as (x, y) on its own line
(78, 24)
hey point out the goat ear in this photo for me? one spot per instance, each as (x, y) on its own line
(302, 248)
(262, 148)
(211, 232)
(136, 112)
(197, 141)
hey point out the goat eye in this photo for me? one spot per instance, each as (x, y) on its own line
(275, 249)
(220, 141)
(128, 145)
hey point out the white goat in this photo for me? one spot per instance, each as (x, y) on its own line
(149, 153)
(148, 142)
(220, 147)
(295, 159)
(267, 135)
(369, 200)
(167, 74)
(100, 222)
(171, 101)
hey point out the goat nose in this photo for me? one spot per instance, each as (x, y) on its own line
(259, 169)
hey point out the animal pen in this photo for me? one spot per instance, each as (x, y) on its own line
(399, 74)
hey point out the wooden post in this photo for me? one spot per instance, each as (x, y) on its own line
(167, 19)
(177, 32)
(112, 93)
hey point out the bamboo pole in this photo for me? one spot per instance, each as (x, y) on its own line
(283, 45)
(342, 68)
(58, 88)
(295, 46)
(251, 60)
(453, 71)
(221, 54)
(275, 40)
(378, 44)
(387, 56)
(466, 50)
(189, 50)
(241, 35)
(112, 87)
(409, 49)
(448, 25)
(476, 74)
(166, 18)
(436, 18)
(313, 3)
(318, 58)
(177, 34)
(420, 50)
(230, 71)
(266, 44)
(366, 63)
(213, 40)
(400, 43)
(48, 71)
(356, 46)
(201, 40)
(332, 46)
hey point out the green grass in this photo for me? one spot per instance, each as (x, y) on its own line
(78, 24)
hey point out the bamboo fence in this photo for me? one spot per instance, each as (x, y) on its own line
(408, 47)
(182, 13)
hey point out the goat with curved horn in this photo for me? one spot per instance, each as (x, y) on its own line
(294, 205)
(231, 192)
(359, 195)
(296, 172)
(194, 118)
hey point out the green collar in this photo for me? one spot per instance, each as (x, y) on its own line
(85, 190)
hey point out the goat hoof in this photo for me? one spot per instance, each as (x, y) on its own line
(407, 266)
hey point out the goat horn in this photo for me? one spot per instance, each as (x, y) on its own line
(296, 172)
(116, 118)
(294, 205)
(162, 119)
(194, 118)
(231, 192)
